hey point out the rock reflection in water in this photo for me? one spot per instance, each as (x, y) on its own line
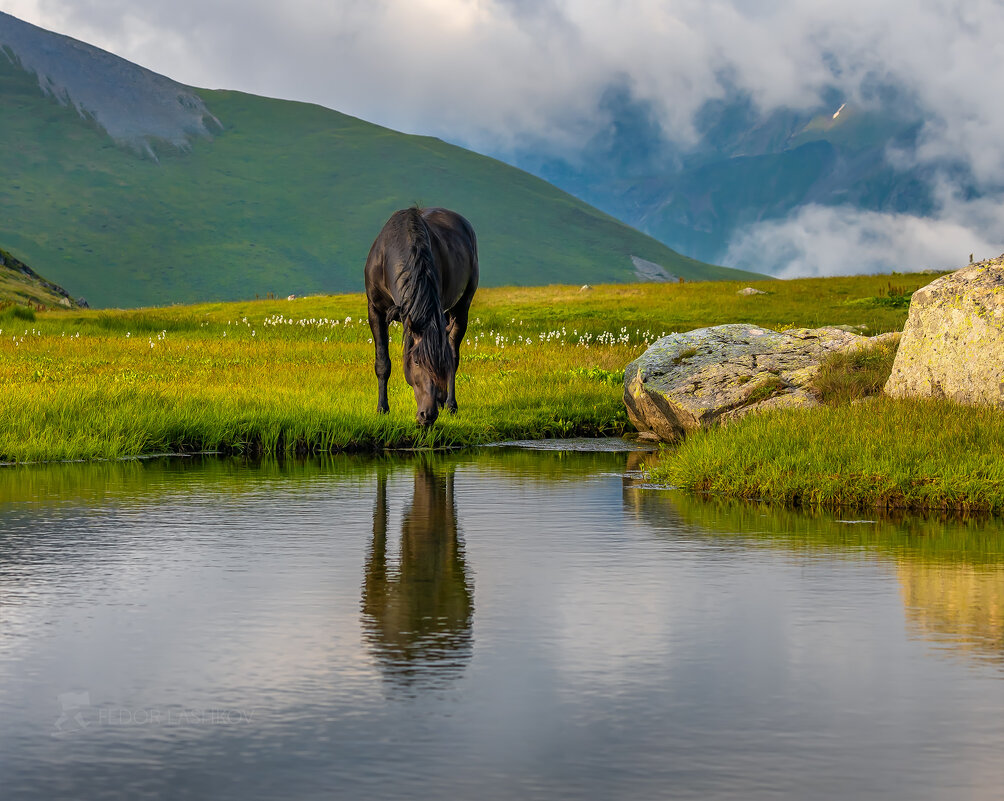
(417, 614)
(950, 570)
(958, 606)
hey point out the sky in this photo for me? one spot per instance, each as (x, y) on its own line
(498, 75)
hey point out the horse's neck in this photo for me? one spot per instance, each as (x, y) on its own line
(425, 304)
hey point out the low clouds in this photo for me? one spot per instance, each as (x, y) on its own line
(826, 241)
(488, 72)
(497, 74)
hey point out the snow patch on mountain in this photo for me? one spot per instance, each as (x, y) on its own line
(136, 106)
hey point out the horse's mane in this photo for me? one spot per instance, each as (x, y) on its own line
(418, 284)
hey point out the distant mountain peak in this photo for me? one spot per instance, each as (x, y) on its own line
(136, 106)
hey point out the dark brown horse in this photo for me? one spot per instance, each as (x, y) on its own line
(423, 271)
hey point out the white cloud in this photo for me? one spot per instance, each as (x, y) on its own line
(824, 241)
(488, 72)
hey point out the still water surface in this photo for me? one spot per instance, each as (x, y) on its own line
(502, 624)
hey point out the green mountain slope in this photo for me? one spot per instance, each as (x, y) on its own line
(287, 198)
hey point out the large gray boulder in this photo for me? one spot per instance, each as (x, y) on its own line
(953, 343)
(711, 375)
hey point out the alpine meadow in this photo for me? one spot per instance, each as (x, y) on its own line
(287, 377)
(433, 399)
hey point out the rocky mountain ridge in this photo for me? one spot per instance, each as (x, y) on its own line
(135, 106)
(20, 284)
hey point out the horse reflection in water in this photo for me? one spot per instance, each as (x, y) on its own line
(417, 614)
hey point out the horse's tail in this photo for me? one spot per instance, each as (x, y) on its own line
(421, 306)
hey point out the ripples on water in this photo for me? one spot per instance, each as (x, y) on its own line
(504, 624)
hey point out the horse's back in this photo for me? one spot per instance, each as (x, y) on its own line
(455, 251)
(453, 236)
(447, 220)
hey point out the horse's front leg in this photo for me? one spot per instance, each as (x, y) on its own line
(381, 365)
(457, 330)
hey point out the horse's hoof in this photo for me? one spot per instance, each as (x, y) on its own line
(383, 409)
(451, 408)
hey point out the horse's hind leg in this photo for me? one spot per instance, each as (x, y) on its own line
(381, 366)
(457, 330)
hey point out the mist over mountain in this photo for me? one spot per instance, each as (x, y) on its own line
(747, 170)
(703, 122)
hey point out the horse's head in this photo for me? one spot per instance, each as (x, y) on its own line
(427, 366)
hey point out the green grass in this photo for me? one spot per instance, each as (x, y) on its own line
(287, 199)
(288, 377)
(11, 312)
(297, 376)
(847, 376)
(889, 454)
(540, 362)
(767, 388)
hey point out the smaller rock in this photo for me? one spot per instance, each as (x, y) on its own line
(291, 297)
(751, 291)
(64, 302)
(585, 288)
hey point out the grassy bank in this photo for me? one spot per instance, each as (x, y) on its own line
(886, 454)
(284, 376)
(293, 376)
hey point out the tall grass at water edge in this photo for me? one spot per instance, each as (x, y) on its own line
(888, 454)
(288, 377)
(297, 376)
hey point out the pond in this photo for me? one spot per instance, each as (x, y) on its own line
(504, 623)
